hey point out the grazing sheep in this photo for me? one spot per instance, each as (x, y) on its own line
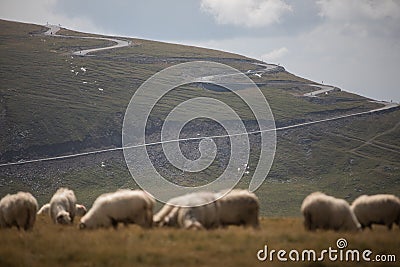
(62, 206)
(18, 210)
(185, 212)
(126, 206)
(80, 210)
(321, 211)
(239, 207)
(377, 209)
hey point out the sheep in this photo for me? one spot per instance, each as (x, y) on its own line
(62, 206)
(377, 209)
(321, 211)
(80, 210)
(238, 207)
(188, 212)
(18, 210)
(126, 206)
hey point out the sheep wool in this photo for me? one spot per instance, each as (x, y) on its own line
(62, 206)
(123, 206)
(18, 210)
(377, 209)
(45, 209)
(80, 210)
(239, 207)
(325, 212)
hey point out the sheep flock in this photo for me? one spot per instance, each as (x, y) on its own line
(228, 207)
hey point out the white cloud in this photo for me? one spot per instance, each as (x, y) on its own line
(248, 13)
(363, 18)
(275, 54)
(355, 9)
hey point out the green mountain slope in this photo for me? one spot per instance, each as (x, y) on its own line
(50, 106)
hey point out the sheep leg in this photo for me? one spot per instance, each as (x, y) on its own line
(149, 218)
(22, 221)
(28, 221)
(308, 222)
(254, 223)
(114, 223)
(2, 222)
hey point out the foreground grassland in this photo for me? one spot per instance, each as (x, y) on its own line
(54, 245)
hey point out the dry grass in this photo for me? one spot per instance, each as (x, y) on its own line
(53, 245)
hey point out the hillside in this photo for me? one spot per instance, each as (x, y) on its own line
(50, 107)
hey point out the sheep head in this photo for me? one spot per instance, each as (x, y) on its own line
(63, 218)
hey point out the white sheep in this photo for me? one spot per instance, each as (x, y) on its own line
(321, 211)
(238, 207)
(377, 209)
(125, 206)
(188, 212)
(80, 210)
(62, 206)
(18, 210)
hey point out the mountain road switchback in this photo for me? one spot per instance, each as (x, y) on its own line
(267, 68)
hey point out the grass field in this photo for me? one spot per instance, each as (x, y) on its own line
(47, 109)
(55, 245)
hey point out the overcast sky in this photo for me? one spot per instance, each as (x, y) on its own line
(352, 44)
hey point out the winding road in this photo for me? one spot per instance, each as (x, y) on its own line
(53, 29)
(322, 89)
